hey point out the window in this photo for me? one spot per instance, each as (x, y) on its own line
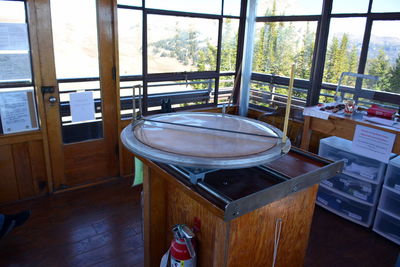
(77, 66)
(358, 36)
(178, 44)
(205, 6)
(384, 55)
(344, 48)
(130, 42)
(285, 34)
(17, 97)
(15, 63)
(177, 51)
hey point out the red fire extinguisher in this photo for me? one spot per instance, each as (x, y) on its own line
(182, 247)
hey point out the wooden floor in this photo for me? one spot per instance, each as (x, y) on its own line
(101, 226)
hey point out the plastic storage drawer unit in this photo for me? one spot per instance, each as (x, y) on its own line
(336, 148)
(355, 187)
(390, 201)
(392, 178)
(360, 212)
(387, 225)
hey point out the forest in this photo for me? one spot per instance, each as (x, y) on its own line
(277, 45)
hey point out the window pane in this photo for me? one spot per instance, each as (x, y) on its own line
(280, 44)
(344, 48)
(229, 44)
(232, 7)
(385, 6)
(180, 93)
(12, 12)
(130, 2)
(126, 93)
(82, 130)
(286, 8)
(15, 64)
(205, 6)
(18, 110)
(177, 44)
(130, 41)
(354, 6)
(226, 84)
(76, 56)
(384, 55)
(75, 38)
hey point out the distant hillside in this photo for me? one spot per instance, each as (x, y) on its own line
(391, 45)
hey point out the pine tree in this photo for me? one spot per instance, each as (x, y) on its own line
(380, 66)
(394, 77)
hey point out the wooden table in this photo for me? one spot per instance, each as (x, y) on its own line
(344, 127)
(246, 240)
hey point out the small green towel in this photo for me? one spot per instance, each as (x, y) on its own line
(138, 172)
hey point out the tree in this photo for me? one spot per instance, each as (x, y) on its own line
(380, 66)
(394, 77)
(303, 58)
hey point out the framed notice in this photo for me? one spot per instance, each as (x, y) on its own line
(18, 111)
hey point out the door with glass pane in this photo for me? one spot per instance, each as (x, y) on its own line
(79, 90)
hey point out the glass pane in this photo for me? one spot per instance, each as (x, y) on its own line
(288, 7)
(385, 6)
(177, 44)
(18, 110)
(344, 48)
(130, 41)
(12, 12)
(354, 6)
(84, 129)
(130, 2)
(76, 56)
(225, 88)
(280, 44)
(384, 55)
(75, 38)
(229, 44)
(126, 93)
(205, 6)
(232, 7)
(180, 93)
(15, 64)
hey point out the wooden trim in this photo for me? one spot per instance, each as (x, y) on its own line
(20, 138)
(33, 35)
(107, 62)
(48, 78)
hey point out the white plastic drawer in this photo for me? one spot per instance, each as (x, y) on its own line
(349, 208)
(390, 201)
(387, 226)
(392, 178)
(357, 188)
(336, 148)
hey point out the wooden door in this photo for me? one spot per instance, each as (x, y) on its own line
(77, 54)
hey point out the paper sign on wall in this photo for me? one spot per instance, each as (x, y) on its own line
(82, 106)
(373, 143)
(17, 111)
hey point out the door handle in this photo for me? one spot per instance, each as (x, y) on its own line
(52, 99)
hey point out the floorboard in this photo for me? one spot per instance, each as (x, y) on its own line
(101, 226)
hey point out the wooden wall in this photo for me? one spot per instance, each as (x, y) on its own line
(22, 170)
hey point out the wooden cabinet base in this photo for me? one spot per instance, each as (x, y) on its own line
(249, 240)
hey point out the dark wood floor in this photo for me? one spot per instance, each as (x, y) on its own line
(101, 226)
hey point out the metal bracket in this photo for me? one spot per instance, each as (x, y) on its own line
(47, 89)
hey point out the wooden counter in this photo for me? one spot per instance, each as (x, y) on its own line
(247, 240)
(344, 127)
